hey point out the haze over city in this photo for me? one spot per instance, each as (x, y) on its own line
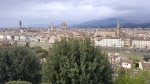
(32, 12)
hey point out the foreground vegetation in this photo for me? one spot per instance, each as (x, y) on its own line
(69, 61)
(131, 77)
(19, 63)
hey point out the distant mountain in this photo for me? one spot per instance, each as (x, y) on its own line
(133, 25)
(111, 23)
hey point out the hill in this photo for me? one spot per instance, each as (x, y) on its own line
(111, 23)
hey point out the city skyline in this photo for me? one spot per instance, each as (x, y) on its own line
(70, 11)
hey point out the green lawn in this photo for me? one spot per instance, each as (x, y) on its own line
(135, 56)
(35, 44)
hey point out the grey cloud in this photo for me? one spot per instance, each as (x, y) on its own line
(73, 11)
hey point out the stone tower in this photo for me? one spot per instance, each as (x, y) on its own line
(118, 29)
(20, 24)
(51, 27)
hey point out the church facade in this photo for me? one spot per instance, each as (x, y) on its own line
(109, 33)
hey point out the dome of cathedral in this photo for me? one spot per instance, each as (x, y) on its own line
(63, 25)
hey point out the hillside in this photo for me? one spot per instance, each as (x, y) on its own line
(110, 23)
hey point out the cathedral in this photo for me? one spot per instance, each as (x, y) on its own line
(63, 25)
(110, 33)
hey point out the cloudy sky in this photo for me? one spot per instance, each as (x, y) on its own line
(70, 11)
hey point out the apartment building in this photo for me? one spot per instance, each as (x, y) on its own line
(141, 43)
(109, 42)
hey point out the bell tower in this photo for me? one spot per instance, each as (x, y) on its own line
(20, 24)
(51, 27)
(118, 29)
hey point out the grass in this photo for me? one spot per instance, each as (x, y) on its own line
(134, 56)
(35, 44)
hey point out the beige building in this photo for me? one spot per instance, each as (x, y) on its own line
(143, 65)
(106, 33)
(127, 42)
(109, 33)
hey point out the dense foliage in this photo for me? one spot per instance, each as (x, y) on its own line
(19, 63)
(73, 61)
(40, 53)
(18, 82)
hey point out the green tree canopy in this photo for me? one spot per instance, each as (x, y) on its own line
(19, 63)
(146, 58)
(73, 61)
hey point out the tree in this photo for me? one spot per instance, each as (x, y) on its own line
(27, 44)
(40, 53)
(73, 61)
(19, 63)
(146, 58)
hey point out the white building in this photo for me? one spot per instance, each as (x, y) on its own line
(22, 38)
(109, 42)
(43, 39)
(141, 43)
(33, 38)
(114, 58)
(52, 39)
(16, 37)
(9, 37)
(1, 36)
(126, 65)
